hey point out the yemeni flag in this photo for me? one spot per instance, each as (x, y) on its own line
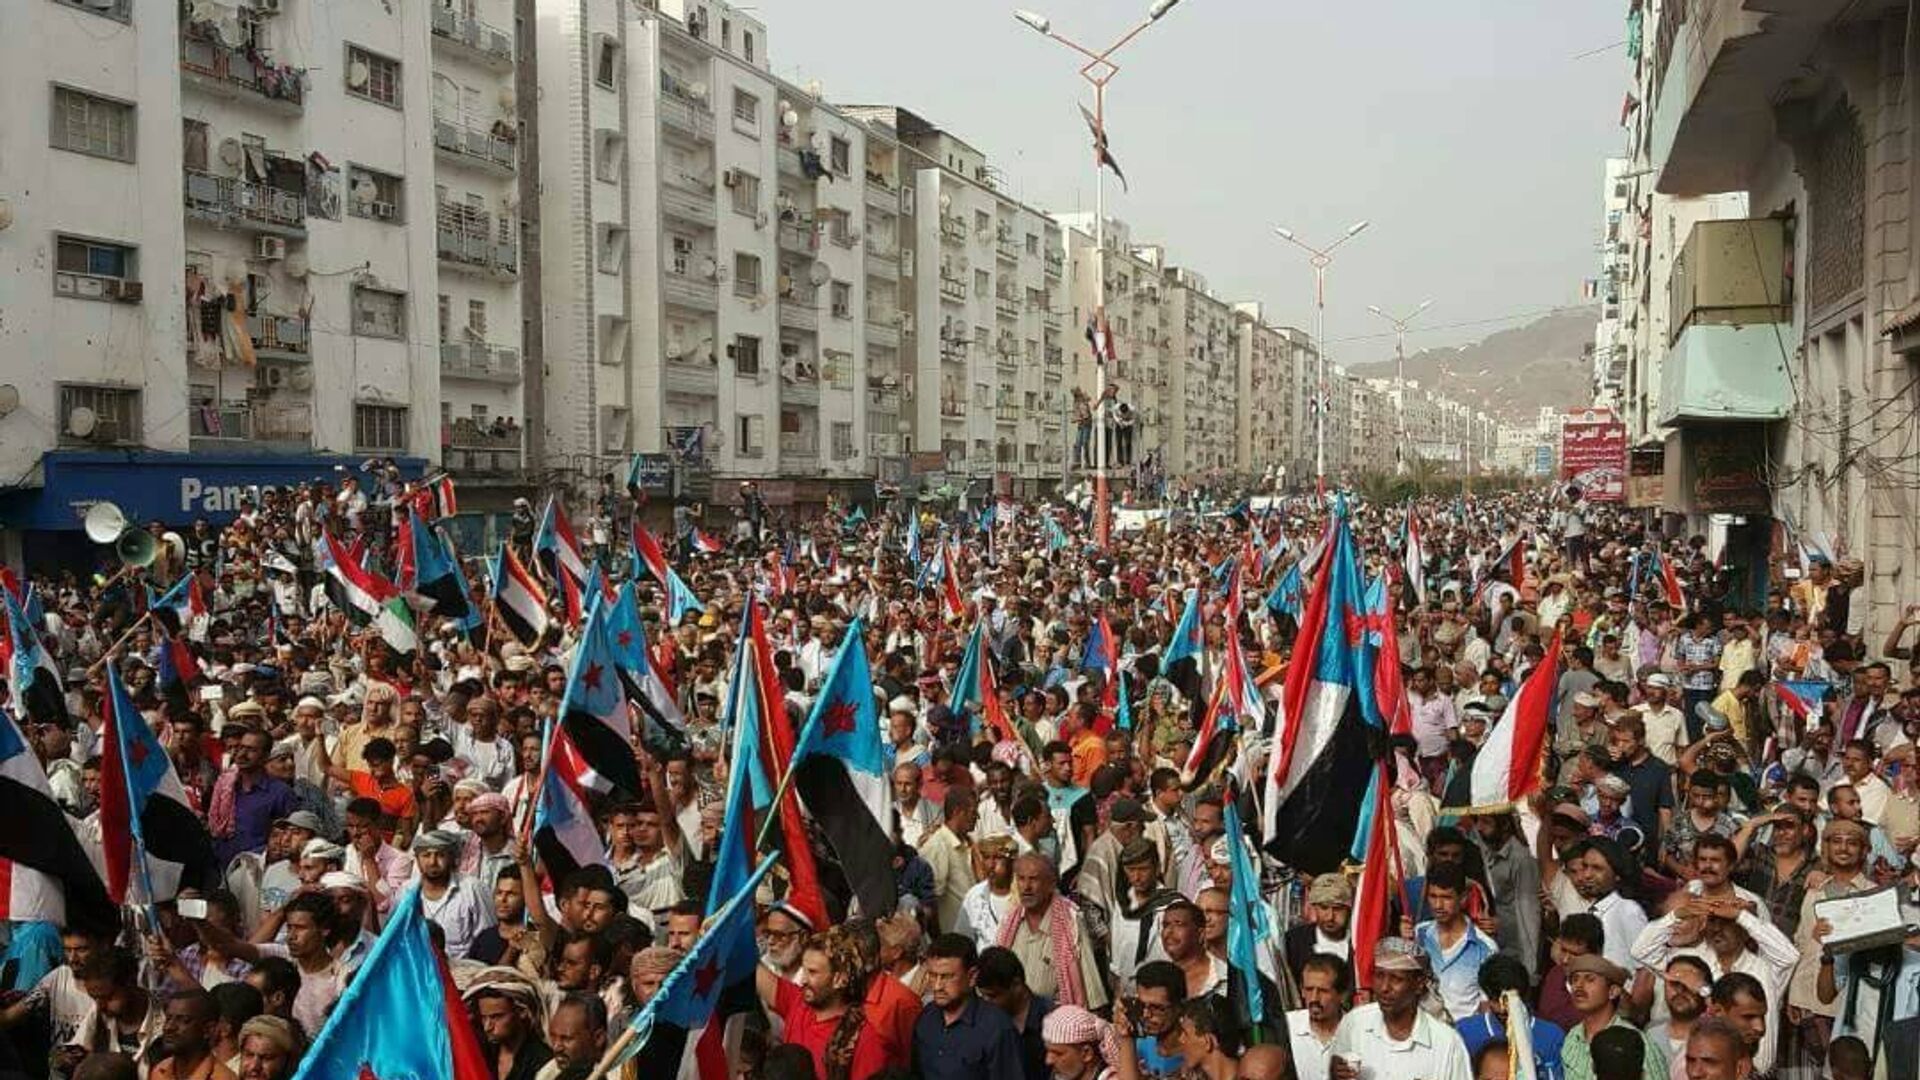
(1287, 595)
(404, 975)
(367, 598)
(1413, 560)
(1388, 688)
(436, 572)
(647, 552)
(1802, 697)
(1669, 582)
(593, 709)
(33, 683)
(1250, 928)
(183, 609)
(639, 676)
(152, 842)
(706, 543)
(44, 866)
(434, 500)
(1102, 654)
(1509, 566)
(677, 1032)
(1508, 767)
(976, 691)
(563, 831)
(1381, 876)
(1187, 640)
(572, 605)
(518, 597)
(840, 771)
(1100, 336)
(950, 595)
(555, 547)
(177, 671)
(1321, 753)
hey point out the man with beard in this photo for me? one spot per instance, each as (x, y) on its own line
(1134, 919)
(948, 853)
(270, 1047)
(1514, 875)
(1153, 1017)
(577, 1034)
(1391, 1037)
(489, 849)
(783, 931)
(818, 1011)
(1326, 992)
(1594, 865)
(508, 1031)
(1809, 1020)
(1049, 935)
(1331, 899)
(1685, 986)
(956, 1035)
(1778, 871)
(1597, 986)
(453, 901)
(183, 1037)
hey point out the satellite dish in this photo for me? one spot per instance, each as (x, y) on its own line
(357, 75)
(104, 523)
(81, 422)
(230, 152)
(889, 381)
(295, 264)
(9, 398)
(707, 266)
(786, 110)
(364, 188)
(789, 118)
(818, 273)
(699, 90)
(507, 99)
(946, 201)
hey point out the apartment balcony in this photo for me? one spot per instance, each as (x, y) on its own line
(953, 228)
(1053, 320)
(881, 195)
(225, 71)
(493, 149)
(696, 377)
(470, 243)
(278, 337)
(800, 447)
(267, 427)
(469, 448)
(953, 288)
(1055, 356)
(1006, 412)
(799, 390)
(883, 399)
(1055, 262)
(228, 202)
(787, 160)
(463, 35)
(953, 352)
(683, 198)
(883, 261)
(1007, 306)
(1726, 360)
(1007, 248)
(952, 409)
(799, 237)
(478, 361)
(1723, 68)
(883, 332)
(684, 111)
(800, 308)
(688, 289)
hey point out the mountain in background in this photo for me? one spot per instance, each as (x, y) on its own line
(1511, 373)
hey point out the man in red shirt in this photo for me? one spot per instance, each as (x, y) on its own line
(816, 1009)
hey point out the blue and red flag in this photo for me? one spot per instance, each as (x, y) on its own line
(1237, 706)
(841, 773)
(404, 976)
(555, 547)
(183, 609)
(706, 543)
(593, 708)
(1187, 640)
(1321, 752)
(1802, 697)
(647, 552)
(638, 673)
(33, 683)
(148, 829)
(976, 692)
(563, 831)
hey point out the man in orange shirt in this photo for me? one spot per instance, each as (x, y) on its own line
(1089, 749)
(378, 782)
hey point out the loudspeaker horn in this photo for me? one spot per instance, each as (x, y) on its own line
(104, 523)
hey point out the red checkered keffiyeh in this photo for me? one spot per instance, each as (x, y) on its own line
(1060, 934)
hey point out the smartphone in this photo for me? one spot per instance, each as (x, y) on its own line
(191, 908)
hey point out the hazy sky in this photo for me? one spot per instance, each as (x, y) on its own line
(1467, 133)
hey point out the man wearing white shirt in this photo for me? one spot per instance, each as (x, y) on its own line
(1596, 877)
(1391, 1037)
(1719, 933)
(1666, 727)
(1326, 991)
(1857, 760)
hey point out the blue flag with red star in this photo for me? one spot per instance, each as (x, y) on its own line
(594, 706)
(715, 973)
(840, 772)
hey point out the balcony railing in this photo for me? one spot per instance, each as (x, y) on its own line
(953, 227)
(269, 424)
(1054, 261)
(233, 422)
(486, 43)
(1007, 306)
(479, 361)
(682, 109)
(799, 236)
(232, 203)
(799, 444)
(222, 68)
(685, 198)
(884, 399)
(699, 377)
(468, 239)
(799, 390)
(278, 337)
(1007, 248)
(882, 196)
(689, 290)
(952, 288)
(493, 147)
(882, 332)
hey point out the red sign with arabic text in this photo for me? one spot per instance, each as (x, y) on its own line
(1593, 455)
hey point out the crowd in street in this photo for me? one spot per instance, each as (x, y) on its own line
(1072, 881)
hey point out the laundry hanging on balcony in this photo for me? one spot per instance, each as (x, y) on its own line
(812, 167)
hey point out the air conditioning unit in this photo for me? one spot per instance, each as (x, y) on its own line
(906, 324)
(273, 378)
(270, 247)
(127, 292)
(730, 178)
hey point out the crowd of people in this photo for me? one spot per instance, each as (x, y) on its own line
(1714, 776)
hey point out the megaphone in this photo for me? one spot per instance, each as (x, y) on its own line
(104, 523)
(134, 546)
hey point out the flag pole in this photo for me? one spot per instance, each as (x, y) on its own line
(118, 642)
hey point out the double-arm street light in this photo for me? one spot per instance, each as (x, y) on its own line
(1320, 259)
(1400, 324)
(1098, 71)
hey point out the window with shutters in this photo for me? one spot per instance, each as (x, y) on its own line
(379, 429)
(114, 411)
(89, 124)
(373, 77)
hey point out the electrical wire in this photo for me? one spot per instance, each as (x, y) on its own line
(1437, 328)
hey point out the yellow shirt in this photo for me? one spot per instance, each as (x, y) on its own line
(1736, 713)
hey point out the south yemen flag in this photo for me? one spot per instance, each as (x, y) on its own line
(841, 773)
(518, 598)
(1321, 756)
(563, 830)
(33, 682)
(367, 598)
(40, 849)
(593, 709)
(403, 976)
(1507, 768)
(150, 835)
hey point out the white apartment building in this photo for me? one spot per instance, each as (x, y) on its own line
(987, 312)
(1203, 376)
(1370, 428)
(724, 276)
(1136, 302)
(1614, 246)
(265, 231)
(1264, 394)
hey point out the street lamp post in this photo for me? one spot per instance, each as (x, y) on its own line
(1320, 259)
(1098, 71)
(1400, 378)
